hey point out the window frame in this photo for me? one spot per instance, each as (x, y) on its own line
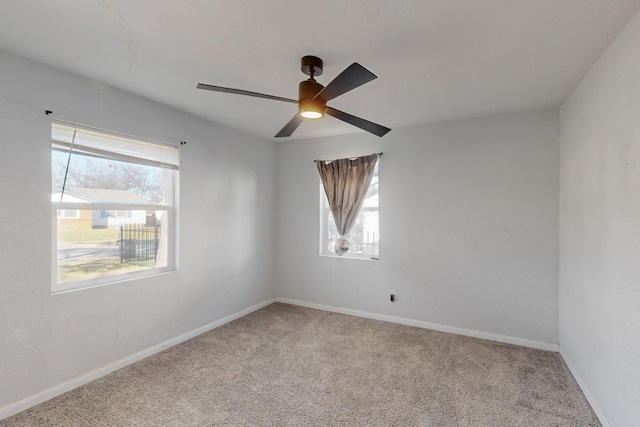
(170, 209)
(325, 212)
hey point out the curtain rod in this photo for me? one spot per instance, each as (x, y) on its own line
(379, 154)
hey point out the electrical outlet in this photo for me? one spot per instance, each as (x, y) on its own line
(393, 295)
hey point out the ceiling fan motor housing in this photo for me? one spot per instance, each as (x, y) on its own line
(308, 89)
(307, 105)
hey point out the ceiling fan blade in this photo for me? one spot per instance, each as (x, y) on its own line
(353, 76)
(370, 127)
(245, 92)
(288, 129)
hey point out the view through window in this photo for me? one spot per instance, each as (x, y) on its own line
(365, 235)
(113, 206)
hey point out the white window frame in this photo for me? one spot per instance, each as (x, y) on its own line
(325, 212)
(61, 140)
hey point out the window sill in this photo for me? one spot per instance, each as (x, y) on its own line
(59, 289)
(363, 258)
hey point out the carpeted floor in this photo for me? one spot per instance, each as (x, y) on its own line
(292, 366)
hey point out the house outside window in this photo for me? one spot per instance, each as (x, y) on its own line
(365, 235)
(114, 204)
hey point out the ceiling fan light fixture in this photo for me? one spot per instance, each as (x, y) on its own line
(311, 114)
(311, 109)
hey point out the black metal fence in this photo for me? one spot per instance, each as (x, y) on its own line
(139, 244)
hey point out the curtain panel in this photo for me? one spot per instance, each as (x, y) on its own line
(346, 182)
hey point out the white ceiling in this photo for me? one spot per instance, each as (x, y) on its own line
(435, 59)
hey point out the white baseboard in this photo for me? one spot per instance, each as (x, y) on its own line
(583, 386)
(43, 396)
(427, 325)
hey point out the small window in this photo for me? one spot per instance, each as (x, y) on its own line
(120, 214)
(365, 235)
(113, 207)
(69, 214)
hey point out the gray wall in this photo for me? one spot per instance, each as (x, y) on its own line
(468, 225)
(600, 230)
(226, 219)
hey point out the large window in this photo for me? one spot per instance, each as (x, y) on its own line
(365, 235)
(113, 204)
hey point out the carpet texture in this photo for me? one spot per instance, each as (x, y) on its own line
(291, 366)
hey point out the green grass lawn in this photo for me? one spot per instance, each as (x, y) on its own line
(92, 268)
(82, 270)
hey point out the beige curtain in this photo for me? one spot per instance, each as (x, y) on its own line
(346, 182)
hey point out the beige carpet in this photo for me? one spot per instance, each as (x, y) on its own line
(291, 366)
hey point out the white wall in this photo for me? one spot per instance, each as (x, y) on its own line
(468, 224)
(226, 219)
(600, 230)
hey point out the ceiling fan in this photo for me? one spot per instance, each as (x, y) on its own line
(313, 97)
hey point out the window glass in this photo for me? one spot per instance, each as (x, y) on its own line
(365, 235)
(114, 213)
